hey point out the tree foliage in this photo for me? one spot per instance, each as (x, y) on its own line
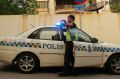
(3, 6)
(18, 7)
(115, 6)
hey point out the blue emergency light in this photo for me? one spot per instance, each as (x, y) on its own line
(61, 25)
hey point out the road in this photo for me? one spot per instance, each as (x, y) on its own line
(10, 72)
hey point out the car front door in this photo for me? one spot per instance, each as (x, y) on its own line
(86, 52)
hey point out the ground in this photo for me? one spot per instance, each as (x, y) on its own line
(10, 72)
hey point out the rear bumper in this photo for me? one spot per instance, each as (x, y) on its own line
(7, 56)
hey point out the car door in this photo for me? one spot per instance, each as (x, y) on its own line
(86, 52)
(51, 49)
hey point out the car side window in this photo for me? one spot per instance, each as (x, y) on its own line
(49, 34)
(83, 37)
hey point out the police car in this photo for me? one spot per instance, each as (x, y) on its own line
(44, 47)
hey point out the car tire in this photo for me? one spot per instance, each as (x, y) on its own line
(27, 63)
(113, 65)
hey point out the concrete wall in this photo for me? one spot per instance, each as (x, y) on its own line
(104, 26)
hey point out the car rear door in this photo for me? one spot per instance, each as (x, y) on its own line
(51, 50)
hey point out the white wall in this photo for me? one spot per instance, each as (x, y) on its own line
(105, 26)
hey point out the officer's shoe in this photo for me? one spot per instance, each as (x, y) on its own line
(73, 72)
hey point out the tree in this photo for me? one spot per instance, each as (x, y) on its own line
(28, 6)
(115, 6)
(18, 7)
(3, 6)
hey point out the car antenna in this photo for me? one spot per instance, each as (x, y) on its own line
(32, 25)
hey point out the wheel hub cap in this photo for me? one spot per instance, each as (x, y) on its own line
(116, 65)
(26, 63)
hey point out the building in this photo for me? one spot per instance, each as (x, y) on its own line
(54, 6)
(43, 6)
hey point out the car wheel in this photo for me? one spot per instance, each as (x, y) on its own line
(27, 63)
(114, 64)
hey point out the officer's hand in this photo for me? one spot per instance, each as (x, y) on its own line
(63, 21)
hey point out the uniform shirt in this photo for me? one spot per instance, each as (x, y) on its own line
(72, 33)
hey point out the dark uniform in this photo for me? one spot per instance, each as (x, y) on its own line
(69, 58)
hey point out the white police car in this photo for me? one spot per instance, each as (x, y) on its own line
(44, 47)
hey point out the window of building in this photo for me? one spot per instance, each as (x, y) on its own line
(42, 5)
(64, 4)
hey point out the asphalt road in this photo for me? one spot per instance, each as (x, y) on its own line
(10, 72)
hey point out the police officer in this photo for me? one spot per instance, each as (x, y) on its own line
(70, 35)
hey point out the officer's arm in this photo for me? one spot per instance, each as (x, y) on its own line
(69, 24)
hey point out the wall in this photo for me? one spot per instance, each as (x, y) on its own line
(105, 26)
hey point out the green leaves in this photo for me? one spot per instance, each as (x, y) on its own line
(8, 7)
(115, 6)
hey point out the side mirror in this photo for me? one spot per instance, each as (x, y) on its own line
(94, 40)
